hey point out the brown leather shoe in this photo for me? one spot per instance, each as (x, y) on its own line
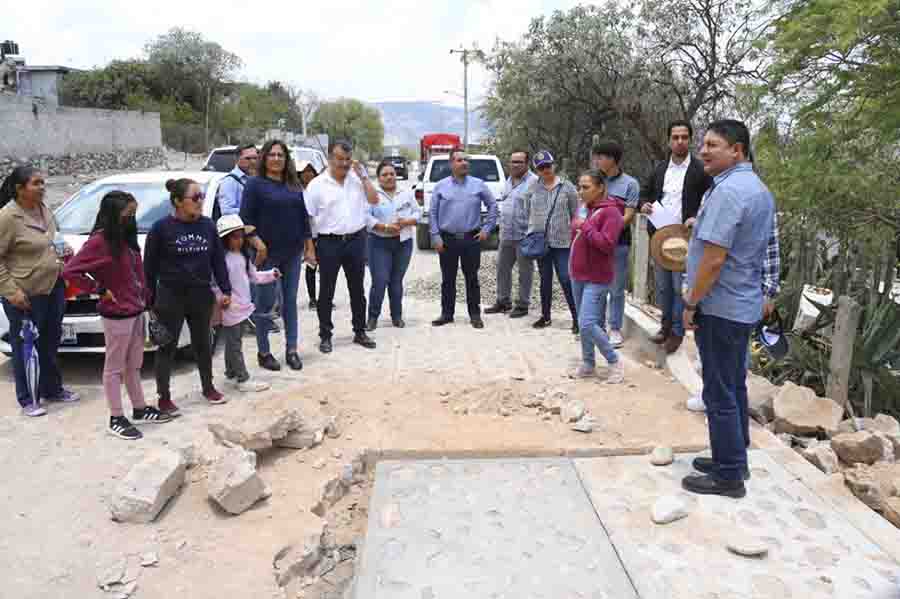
(673, 343)
(660, 337)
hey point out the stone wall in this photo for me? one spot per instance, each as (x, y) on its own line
(83, 164)
(65, 140)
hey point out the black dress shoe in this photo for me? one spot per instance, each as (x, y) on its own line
(268, 362)
(477, 323)
(518, 312)
(542, 323)
(708, 484)
(293, 360)
(372, 324)
(708, 466)
(325, 346)
(364, 340)
(398, 323)
(497, 308)
(442, 321)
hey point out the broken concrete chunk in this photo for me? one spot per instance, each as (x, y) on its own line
(147, 487)
(859, 448)
(662, 456)
(299, 560)
(233, 482)
(823, 457)
(799, 411)
(761, 398)
(302, 438)
(585, 425)
(149, 559)
(111, 572)
(259, 428)
(668, 509)
(572, 411)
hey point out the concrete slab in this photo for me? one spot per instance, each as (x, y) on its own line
(814, 551)
(480, 529)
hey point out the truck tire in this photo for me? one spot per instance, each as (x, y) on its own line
(492, 242)
(423, 237)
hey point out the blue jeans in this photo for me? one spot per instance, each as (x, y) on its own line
(723, 352)
(46, 313)
(591, 301)
(266, 297)
(617, 289)
(388, 260)
(557, 258)
(670, 298)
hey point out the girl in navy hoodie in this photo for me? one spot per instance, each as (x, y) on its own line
(109, 264)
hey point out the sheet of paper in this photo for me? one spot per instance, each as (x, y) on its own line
(663, 216)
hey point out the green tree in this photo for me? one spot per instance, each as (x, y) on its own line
(351, 120)
(123, 84)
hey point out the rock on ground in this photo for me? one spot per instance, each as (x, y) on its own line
(300, 559)
(305, 437)
(572, 411)
(823, 457)
(859, 448)
(799, 411)
(745, 544)
(761, 398)
(662, 456)
(878, 487)
(147, 487)
(668, 509)
(233, 482)
(259, 427)
(585, 425)
(881, 423)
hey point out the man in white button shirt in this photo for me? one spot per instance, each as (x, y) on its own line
(678, 185)
(338, 203)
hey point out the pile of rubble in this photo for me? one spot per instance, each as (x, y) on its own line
(865, 451)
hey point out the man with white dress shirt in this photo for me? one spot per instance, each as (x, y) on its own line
(338, 202)
(676, 185)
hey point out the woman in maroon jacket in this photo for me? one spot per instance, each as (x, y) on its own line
(592, 271)
(109, 264)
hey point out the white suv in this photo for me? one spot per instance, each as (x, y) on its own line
(486, 167)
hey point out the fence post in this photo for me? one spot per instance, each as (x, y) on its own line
(641, 244)
(842, 341)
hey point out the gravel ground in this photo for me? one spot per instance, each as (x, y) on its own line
(429, 286)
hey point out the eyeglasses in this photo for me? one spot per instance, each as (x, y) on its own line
(197, 197)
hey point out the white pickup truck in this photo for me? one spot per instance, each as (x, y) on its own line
(486, 167)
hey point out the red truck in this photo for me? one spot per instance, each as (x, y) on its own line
(437, 143)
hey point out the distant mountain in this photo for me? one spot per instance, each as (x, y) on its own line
(406, 122)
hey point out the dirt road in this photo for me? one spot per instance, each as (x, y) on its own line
(422, 391)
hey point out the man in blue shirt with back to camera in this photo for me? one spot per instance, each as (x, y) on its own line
(457, 233)
(724, 299)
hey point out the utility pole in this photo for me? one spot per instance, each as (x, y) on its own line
(465, 59)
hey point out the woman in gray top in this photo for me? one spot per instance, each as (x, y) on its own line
(558, 199)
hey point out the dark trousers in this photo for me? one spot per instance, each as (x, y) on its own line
(558, 259)
(723, 352)
(388, 260)
(47, 314)
(335, 253)
(311, 278)
(173, 307)
(235, 367)
(465, 252)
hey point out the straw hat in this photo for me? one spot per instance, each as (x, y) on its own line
(230, 223)
(669, 247)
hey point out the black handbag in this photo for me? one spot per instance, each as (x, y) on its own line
(534, 245)
(159, 334)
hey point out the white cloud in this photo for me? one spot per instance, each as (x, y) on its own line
(391, 49)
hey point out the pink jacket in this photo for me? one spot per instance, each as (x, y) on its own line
(594, 243)
(241, 304)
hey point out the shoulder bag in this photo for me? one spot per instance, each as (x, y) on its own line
(534, 245)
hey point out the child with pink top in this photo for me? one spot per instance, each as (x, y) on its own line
(241, 272)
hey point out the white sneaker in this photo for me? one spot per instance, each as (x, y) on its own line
(584, 372)
(615, 339)
(251, 386)
(695, 403)
(616, 373)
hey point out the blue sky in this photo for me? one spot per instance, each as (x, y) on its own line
(381, 50)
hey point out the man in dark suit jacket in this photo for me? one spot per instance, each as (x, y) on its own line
(678, 184)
